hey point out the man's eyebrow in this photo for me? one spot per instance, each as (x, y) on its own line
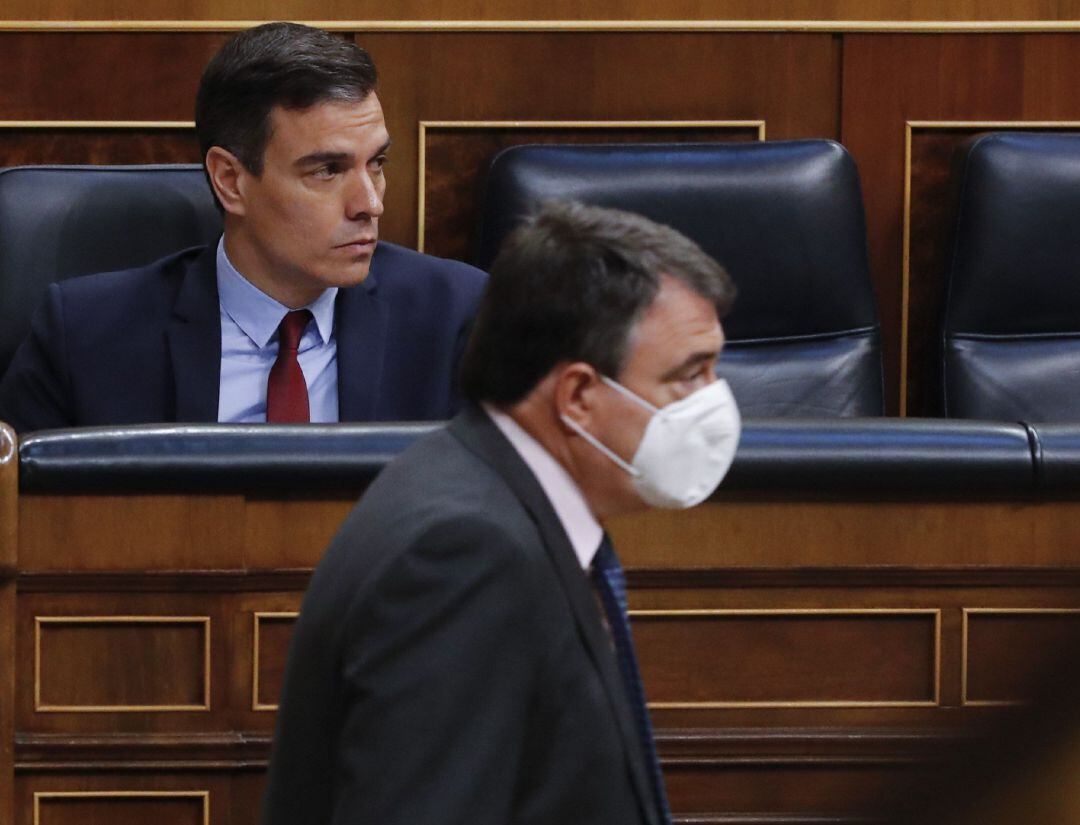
(703, 357)
(319, 158)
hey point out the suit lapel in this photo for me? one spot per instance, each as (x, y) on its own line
(194, 336)
(476, 430)
(360, 321)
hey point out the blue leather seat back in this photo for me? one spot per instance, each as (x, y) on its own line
(60, 221)
(786, 220)
(1012, 312)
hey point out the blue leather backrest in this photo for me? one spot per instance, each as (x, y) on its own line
(1012, 313)
(786, 220)
(60, 221)
(846, 457)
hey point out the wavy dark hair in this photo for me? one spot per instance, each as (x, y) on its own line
(569, 285)
(276, 64)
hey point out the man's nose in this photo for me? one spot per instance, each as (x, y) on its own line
(364, 198)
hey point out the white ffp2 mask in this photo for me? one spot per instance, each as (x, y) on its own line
(687, 447)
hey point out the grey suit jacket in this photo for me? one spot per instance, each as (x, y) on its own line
(449, 664)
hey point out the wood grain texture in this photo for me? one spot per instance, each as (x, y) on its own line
(780, 657)
(889, 80)
(9, 524)
(99, 146)
(456, 160)
(121, 809)
(1007, 651)
(94, 662)
(549, 10)
(123, 796)
(66, 533)
(846, 533)
(790, 83)
(103, 76)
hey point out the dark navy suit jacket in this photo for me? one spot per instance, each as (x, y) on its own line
(450, 664)
(144, 345)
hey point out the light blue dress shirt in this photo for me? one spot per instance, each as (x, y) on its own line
(249, 347)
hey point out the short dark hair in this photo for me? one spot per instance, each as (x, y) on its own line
(276, 64)
(569, 285)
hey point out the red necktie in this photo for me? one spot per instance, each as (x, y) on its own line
(286, 391)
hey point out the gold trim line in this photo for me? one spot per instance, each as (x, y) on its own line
(996, 611)
(256, 618)
(203, 795)
(933, 612)
(688, 26)
(204, 621)
(97, 124)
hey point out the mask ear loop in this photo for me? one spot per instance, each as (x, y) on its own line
(633, 396)
(592, 439)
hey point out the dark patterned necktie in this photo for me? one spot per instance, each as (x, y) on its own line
(610, 582)
(286, 389)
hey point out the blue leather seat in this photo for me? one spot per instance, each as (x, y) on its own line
(786, 220)
(60, 221)
(1011, 329)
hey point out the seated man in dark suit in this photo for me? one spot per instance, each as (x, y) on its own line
(299, 313)
(463, 656)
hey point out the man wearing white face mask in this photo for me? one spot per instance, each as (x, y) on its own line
(463, 654)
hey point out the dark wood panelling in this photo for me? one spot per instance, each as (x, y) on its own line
(889, 80)
(457, 159)
(272, 646)
(109, 76)
(1005, 650)
(9, 524)
(289, 535)
(119, 809)
(760, 768)
(159, 661)
(84, 663)
(933, 182)
(179, 798)
(173, 533)
(547, 10)
(19, 147)
(934, 179)
(794, 534)
(791, 83)
(818, 786)
(780, 657)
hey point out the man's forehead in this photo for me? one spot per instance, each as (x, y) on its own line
(343, 121)
(679, 304)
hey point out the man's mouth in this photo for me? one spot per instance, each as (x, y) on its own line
(359, 245)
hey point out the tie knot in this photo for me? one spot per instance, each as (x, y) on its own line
(291, 329)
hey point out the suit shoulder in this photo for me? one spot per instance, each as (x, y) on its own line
(141, 286)
(396, 265)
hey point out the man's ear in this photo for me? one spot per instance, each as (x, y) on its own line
(575, 392)
(226, 174)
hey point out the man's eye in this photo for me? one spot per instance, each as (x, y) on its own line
(326, 172)
(379, 161)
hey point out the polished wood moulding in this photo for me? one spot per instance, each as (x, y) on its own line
(791, 12)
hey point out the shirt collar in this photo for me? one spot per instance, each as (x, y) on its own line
(256, 313)
(566, 498)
